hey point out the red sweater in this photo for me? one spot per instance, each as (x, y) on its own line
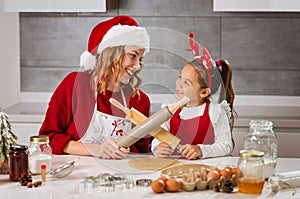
(71, 108)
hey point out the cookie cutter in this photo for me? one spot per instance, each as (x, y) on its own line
(143, 182)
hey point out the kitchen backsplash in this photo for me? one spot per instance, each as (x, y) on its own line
(263, 48)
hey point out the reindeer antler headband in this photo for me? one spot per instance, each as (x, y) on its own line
(206, 59)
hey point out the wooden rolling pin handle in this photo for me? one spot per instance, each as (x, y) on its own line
(173, 108)
(118, 105)
(178, 146)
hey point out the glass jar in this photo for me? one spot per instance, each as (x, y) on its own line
(262, 137)
(40, 153)
(251, 168)
(18, 161)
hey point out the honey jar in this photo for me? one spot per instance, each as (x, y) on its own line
(251, 166)
(18, 161)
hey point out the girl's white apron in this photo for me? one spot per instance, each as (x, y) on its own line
(104, 126)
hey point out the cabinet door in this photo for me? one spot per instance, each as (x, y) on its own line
(24, 131)
(288, 141)
(238, 137)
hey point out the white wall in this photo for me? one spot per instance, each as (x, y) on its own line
(9, 58)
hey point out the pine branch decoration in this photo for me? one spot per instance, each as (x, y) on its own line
(7, 137)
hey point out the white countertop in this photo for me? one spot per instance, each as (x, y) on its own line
(68, 187)
(282, 110)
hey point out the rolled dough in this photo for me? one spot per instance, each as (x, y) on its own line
(151, 163)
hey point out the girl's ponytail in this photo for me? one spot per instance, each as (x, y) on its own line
(226, 74)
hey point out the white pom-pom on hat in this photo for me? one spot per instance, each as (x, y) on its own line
(87, 60)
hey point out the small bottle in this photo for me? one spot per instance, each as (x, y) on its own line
(262, 137)
(251, 167)
(40, 153)
(18, 161)
(43, 172)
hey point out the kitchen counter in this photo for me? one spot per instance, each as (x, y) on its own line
(283, 111)
(27, 116)
(69, 187)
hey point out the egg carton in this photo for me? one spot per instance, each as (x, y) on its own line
(197, 177)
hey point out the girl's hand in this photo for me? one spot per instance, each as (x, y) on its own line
(191, 152)
(163, 150)
(110, 149)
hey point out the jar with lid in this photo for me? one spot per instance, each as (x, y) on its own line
(251, 168)
(261, 137)
(40, 153)
(18, 161)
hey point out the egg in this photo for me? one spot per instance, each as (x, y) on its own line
(157, 186)
(173, 185)
(213, 174)
(233, 170)
(226, 173)
(164, 178)
(239, 173)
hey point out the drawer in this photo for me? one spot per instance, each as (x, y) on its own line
(288, 141)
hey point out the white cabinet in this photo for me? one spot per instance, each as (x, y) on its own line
(238, 136)
(283, 111)
(24, 131)
(27, 117)
(256, 6)
(288, 141)
(55, 5)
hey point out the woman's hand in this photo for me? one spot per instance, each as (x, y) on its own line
(190, 152)
(109, 149)
(163, 150)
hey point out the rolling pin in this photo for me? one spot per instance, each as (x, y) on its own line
(137, 118)
(149, 125)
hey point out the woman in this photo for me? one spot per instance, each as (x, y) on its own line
(80, 119)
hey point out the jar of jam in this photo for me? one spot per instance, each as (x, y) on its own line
(251, 166)
(40, 153)
(18, 161)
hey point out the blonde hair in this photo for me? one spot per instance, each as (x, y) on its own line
(109, 68)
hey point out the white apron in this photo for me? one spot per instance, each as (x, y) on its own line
(104, 126)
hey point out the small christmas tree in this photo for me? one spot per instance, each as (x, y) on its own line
(7, 139)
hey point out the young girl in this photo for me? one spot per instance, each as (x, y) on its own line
(203, 124)
(80, 119)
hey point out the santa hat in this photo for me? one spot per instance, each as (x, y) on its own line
(119, 31)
